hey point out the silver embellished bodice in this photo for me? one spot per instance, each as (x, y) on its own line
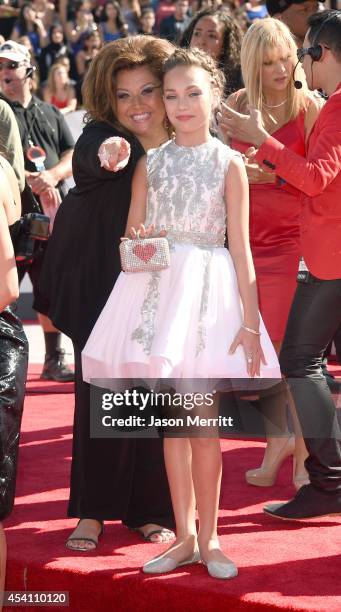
(186, 190)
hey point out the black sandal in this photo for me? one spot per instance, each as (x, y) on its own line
(84, 539)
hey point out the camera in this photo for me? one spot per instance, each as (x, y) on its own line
(33, 228)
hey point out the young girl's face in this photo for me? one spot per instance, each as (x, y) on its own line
(188, 98)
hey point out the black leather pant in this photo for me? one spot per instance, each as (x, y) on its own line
(13, 372)
(313, 320)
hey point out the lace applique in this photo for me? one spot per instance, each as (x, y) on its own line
(144, 333)
(202, 333)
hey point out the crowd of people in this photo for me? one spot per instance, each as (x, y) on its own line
(213, 123)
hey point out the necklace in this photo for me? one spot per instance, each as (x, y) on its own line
(276, 105)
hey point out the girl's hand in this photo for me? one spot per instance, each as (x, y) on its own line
(252, 348)
(143, 232)
(114, 153)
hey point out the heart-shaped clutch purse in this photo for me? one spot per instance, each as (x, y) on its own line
(144, 255)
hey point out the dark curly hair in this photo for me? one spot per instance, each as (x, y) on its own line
(229, 59)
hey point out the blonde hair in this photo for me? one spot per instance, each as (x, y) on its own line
(51, 83)
(196, 57)
(99, 87)
(267, 35)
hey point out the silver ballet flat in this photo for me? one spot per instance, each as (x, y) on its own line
(218, 569)
(167, 564)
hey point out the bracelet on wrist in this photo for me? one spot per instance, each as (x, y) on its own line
(252, 331)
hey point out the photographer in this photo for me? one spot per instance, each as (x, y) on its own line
(40, 125)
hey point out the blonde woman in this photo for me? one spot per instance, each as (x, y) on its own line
(59, 91)
(268, 58)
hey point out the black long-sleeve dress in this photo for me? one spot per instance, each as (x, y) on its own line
(111, 478)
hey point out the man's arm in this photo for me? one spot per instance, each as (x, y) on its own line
(312, 175)
(50, 178)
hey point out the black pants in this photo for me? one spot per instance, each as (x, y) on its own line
(314, 317)
(115, 479)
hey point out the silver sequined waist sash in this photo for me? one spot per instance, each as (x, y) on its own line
(201, 239)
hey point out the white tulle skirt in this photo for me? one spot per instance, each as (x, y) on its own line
(176, 324)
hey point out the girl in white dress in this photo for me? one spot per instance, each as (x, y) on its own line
(199, 318)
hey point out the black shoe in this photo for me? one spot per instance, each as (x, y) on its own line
(308, 502)
(56, 369)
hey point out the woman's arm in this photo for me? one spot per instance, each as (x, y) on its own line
(313, 110)
(138, 204)
(255, 174)
(237, 205)
(9, 285)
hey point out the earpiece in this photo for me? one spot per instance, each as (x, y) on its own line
(315, 51)
(29, 71)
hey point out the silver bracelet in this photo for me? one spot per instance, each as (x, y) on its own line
(252, 331)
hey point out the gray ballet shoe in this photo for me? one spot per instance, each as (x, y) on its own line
(218, 569)
(167, 564)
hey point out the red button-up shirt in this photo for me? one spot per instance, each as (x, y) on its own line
(318, 177)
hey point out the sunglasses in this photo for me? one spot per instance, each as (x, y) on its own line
(314, 52)
(9, 65)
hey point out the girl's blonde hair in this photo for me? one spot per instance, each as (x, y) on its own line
(196, 57)
(266, 36)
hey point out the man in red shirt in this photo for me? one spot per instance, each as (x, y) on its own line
(315, 314)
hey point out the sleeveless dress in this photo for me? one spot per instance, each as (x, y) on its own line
(13, 372)
(178, 323)
(275, 235)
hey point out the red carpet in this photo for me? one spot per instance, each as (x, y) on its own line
(35, 385)
(283, 566)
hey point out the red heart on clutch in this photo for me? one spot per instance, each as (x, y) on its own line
(144, 251)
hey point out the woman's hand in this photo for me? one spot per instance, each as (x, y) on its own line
(255, 173)
(114, 153)
(252, 348)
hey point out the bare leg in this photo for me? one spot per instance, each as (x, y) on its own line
(46, 323)
(3, 558)
(207, 469)
(178, 460)
(279, 447)
(86, 528)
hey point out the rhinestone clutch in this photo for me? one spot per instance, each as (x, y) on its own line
(144, 255)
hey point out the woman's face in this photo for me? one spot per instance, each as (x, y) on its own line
(208, 36)
(57, 36)
(60, 76)
(277, 67)
(139, 105)
(111, 11)
(29, 13)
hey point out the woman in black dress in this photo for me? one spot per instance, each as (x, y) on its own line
(13, 351)
(111, 478)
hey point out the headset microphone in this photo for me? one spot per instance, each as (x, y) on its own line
(297, 84)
